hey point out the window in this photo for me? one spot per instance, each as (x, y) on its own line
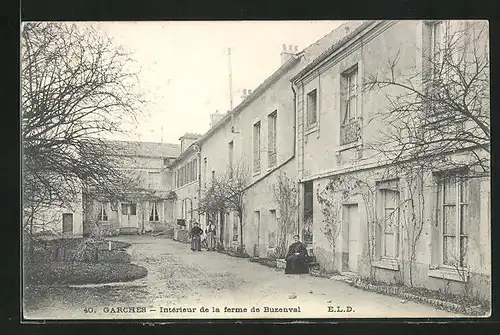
(230, 158)
(350, 129)
(272, 125)
(389, 209)
(439, 32)
(256, 147)
(187, 173)
(133, 209)
(452, 217)
(271, 237)
(153, 212)
(102, 216)
(154, 179)
(67, 224)
(312, 108)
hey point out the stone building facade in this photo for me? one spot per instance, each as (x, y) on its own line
(151, 207)
(336, 135)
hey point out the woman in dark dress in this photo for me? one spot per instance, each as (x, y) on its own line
(196, 232)
(210, 232)
(296, 259)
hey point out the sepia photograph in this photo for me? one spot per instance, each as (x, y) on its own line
(176, 170)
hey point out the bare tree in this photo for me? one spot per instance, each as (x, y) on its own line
(285, 194)
(440, 111)
(227, 192)
(76, 86)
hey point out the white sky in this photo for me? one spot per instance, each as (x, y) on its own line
(184, 66)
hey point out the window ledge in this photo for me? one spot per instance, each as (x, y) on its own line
(188, 184)
(348, 146)
(449, 274)
(271, 167)
(312, 128)
(388, 264)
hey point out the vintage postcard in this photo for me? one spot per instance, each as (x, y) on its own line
(255, 170)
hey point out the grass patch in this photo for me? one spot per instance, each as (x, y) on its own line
(82, 273)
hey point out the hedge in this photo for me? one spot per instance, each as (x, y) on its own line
(82, 273)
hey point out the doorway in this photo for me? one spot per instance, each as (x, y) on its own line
(67, 224)
(129, 215)
(307, 230)
(350, 237)
(257, 225)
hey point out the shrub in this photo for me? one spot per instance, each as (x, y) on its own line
(82, 273)
(113, 256)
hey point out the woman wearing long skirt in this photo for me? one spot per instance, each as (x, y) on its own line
(210, 231)
(296, 259)
(196, 232)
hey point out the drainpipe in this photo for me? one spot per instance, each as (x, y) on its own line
(197, 148)
(294, 152)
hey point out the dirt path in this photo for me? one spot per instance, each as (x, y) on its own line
(178, 277)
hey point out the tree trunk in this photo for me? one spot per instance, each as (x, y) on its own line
(241, 232)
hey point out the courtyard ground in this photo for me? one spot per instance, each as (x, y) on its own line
(179, 278)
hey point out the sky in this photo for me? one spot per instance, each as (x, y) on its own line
(184, 66)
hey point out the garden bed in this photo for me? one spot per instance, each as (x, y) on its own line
(439, 299)
(264, 261)
(58, 273)
(233, 253)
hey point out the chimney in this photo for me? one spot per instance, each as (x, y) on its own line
(245, 93)
(215, 118)
(347, 30)
(287, 53)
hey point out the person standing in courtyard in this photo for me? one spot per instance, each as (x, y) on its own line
(210, 232)
(296, 258)
(195, 233)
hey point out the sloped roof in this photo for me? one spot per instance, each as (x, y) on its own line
(191, 135)
(319, 51)
(332, 38)
(310, 55)
(146, 149)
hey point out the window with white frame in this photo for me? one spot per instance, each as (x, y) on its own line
(350, 128)
(256, 147)
(312, 108)
(153, 211)
(103, 215)
(388, 195)
(452, 196)
(272, 128)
